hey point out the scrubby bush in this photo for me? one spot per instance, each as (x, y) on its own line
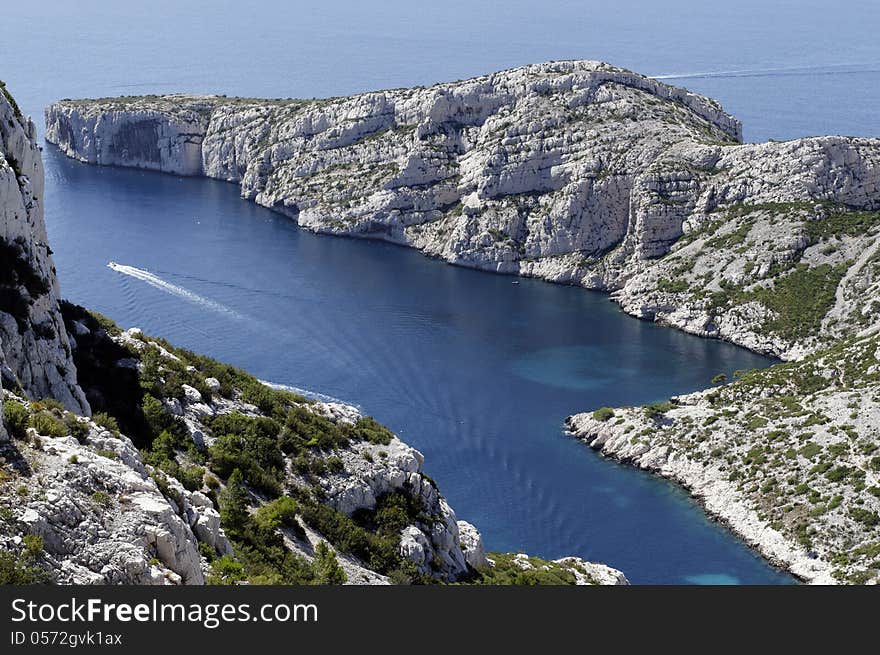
(234, 504)
(369, 429)
(47, 424)
(33, 547)
(603, 414)
(281, 511)
(16, 416)
(306, 430)
(76, 428)
(207, 551)
(106, 421)
(864, 516)
(226, 571)
(326, 567)
(14, 572)
(377, 551)
(655, 410)
(101, 498)
(191, 477)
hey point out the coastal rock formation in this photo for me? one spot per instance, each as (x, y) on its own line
(582, 173)
(786, 456)
(576, 172)
(35, 354)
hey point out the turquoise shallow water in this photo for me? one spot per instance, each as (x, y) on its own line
(476, 372)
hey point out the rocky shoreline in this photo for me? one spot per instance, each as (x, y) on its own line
(785, 456)
(712, 492)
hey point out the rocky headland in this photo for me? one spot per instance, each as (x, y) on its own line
(575, 172)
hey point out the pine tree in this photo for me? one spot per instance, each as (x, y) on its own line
(234, 514)
(326, 566)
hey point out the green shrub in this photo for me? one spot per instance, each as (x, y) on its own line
(226, 571)
(191, 477)
(368, 429)
(326, 566)
(377, 551)
(281, 511)
(603, 414)
(864, 516)
(105, 323)
(101, 498)
(234, 504)
(507, 572)
(13, 572)
(258, 458)
(33, 547)
(838, 473)
(207, 551)
(304, 429)
(47, 425)
(106, 421)
(79, 430)
(49, 405)
(655, 410)
(16, 416)
(665, 285)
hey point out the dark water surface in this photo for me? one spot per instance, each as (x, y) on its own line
(473, 370)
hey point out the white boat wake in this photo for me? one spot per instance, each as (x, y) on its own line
(158, 283)
(829, 69)
(313, 395)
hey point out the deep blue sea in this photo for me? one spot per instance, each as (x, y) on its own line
(476, 372)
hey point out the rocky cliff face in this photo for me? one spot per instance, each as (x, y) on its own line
(101, 518)
(575, 172)
(35, 353)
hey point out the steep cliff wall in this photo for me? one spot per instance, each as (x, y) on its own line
(576, 172)
(35, 353)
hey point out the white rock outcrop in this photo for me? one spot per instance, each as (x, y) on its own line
(101, 517)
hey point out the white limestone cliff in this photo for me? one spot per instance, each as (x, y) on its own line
(576, 172)
(34, 349)
(99, 514)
